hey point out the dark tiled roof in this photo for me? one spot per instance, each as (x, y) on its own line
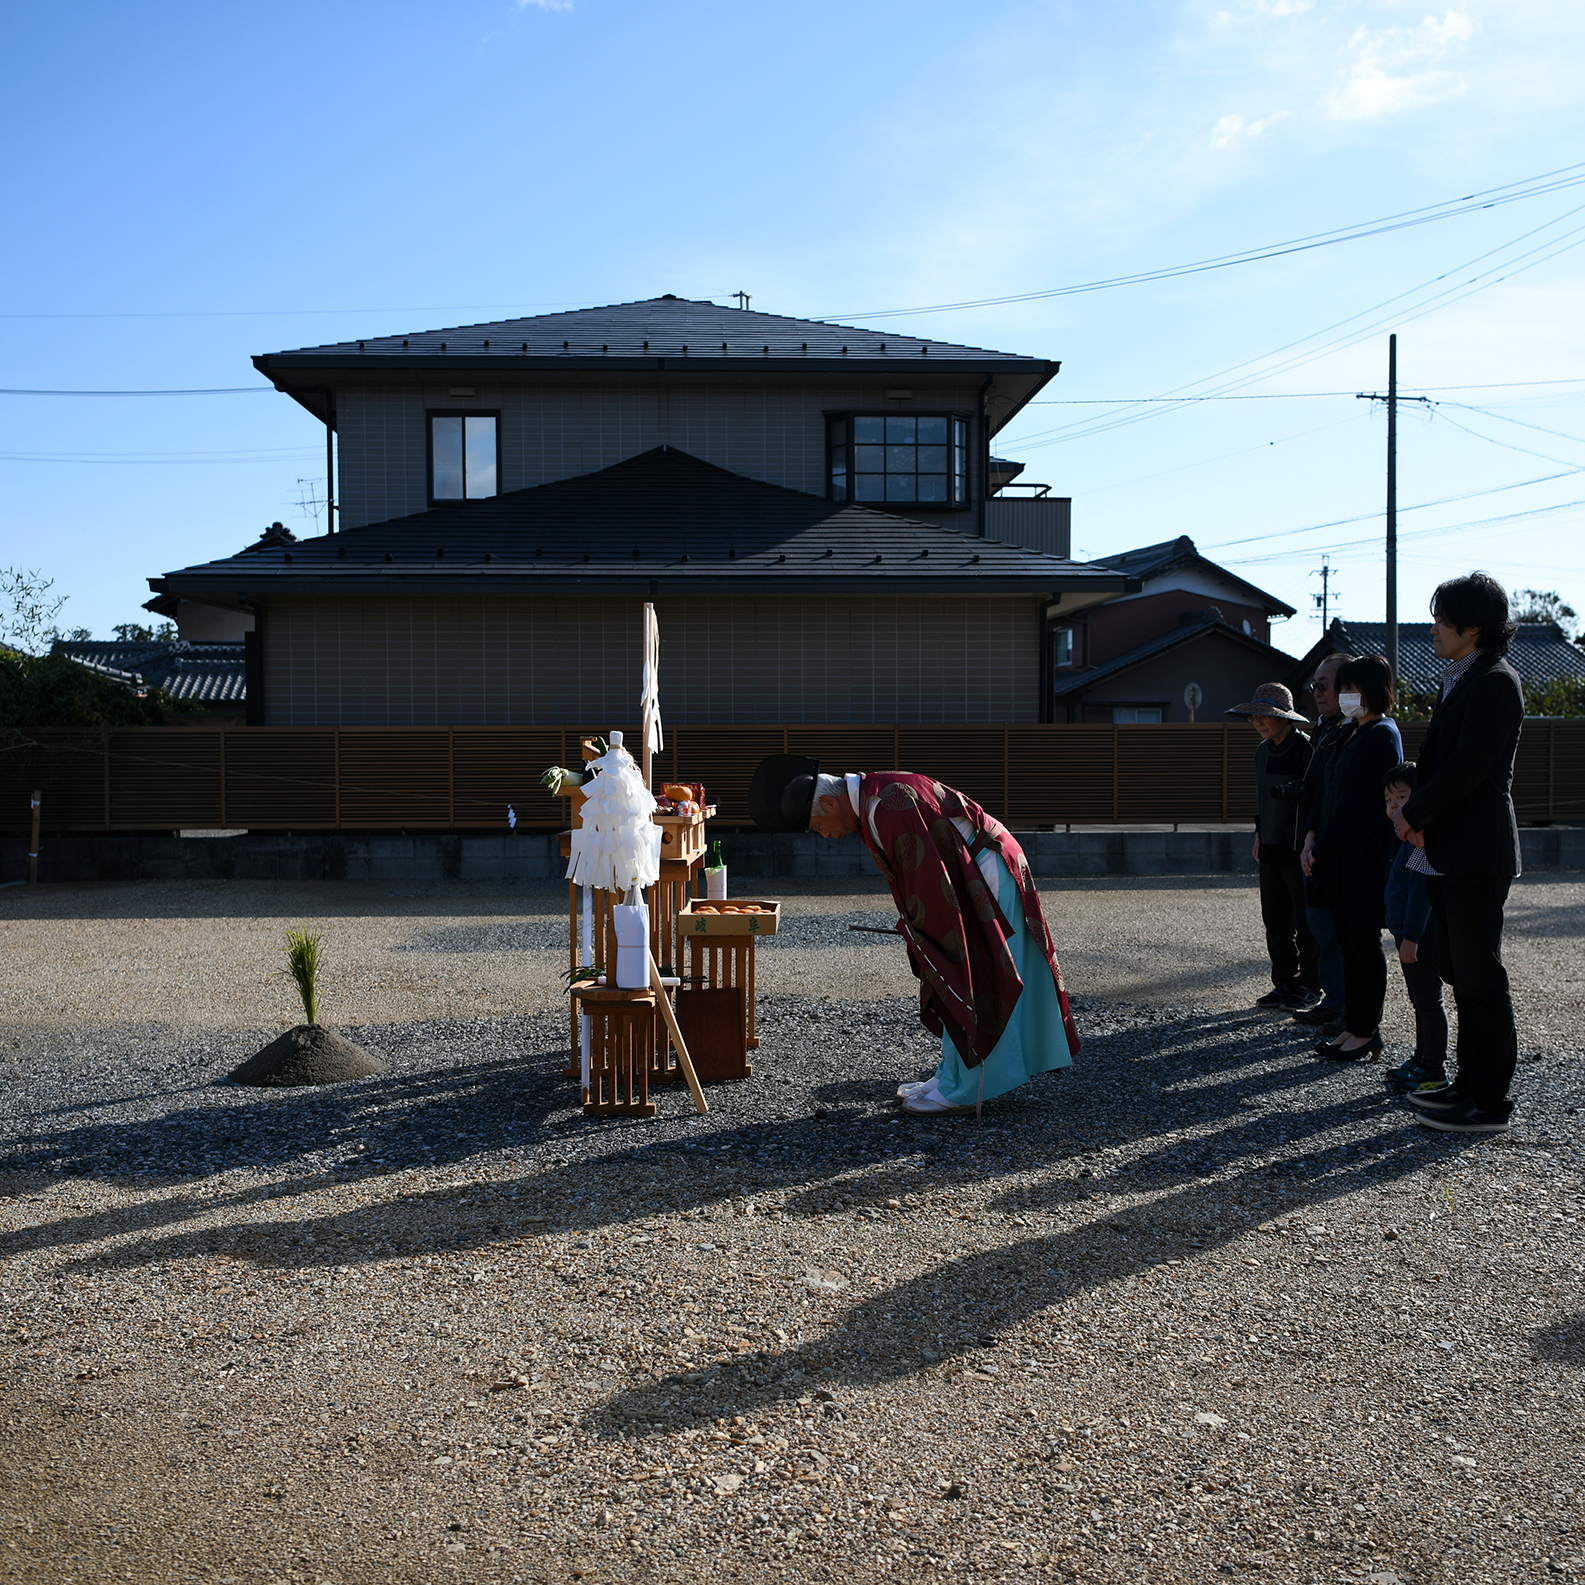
(658, 327)
(661, 521)
(1540, 652)
(1071, 684)
(207, 673)
(1149, 560)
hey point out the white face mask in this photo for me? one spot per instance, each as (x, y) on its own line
(1352, 705)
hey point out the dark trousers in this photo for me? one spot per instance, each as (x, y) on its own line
(1364, 978)
(1289, 944)
(1423, 981)
(1468, 910)
(1331, 963)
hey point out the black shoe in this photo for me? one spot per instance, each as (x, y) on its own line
(1469, 1119)
(1321, 1013)
(1366, 1053)
(1445, 1100)
(1286, 997)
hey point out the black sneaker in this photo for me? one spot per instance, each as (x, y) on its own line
(1320, 1013)
(1428, 1098)
(1469, 1119)
(1410, 1077)
(1286, 997)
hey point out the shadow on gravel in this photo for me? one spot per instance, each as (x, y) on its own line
(1157, 1104)
(1562, 1343)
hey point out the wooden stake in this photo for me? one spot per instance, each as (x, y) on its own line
(33, 846)
(684, 1060)
(650, 649)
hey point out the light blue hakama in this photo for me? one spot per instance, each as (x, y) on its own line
(1034, 1040)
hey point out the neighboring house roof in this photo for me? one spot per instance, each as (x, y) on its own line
(663, 521)
(1073, 685)
(1540, 652)
(207, 673)
(667, 333)
(1151, 561)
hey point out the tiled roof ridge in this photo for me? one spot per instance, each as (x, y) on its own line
(749, 315)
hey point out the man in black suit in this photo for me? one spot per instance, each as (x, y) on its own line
(1461, 819)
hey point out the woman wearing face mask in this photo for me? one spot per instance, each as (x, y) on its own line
(1351, 848)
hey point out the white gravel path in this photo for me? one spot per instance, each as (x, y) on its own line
(1203, 1307)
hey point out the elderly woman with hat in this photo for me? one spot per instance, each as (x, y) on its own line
(968, 912)
(1281, 759)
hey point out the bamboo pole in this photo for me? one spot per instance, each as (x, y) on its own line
(683, 1059)
(33, 846)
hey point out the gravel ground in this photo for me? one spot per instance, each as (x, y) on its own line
(1203, 1306)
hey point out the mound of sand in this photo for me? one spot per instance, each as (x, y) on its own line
(307, 1054)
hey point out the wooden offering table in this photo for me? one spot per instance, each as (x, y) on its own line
(622, 1041)
(721, 947)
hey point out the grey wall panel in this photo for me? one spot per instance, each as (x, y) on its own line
(773, 432)
(401, 661)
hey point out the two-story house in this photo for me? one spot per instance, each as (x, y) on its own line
(811, 508)
(1187, 629)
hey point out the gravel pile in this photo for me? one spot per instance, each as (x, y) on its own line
(1202, 1306)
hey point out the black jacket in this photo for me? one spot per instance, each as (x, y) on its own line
(1462, 798)
(1277, 822)
(1354, 840)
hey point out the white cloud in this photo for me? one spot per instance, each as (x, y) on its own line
(1230, 131)
(545, 5)
(1382, 76)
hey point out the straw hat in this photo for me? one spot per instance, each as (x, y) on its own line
(1271, 698)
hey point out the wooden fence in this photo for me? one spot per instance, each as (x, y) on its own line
(463, 778)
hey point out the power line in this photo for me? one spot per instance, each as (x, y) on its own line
(219, 390)
(1532, 187)
(1418, 506)
(1285, 396)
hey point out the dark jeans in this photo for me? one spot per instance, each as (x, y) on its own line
(1423, 981)
(1330, 966)
(1364, 979)
(1468, 910)
(1289, 944)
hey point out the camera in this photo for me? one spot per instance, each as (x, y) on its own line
(1289, 792)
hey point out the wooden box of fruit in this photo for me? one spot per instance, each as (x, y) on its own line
(735, 917)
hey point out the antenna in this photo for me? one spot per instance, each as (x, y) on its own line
(743, 299)
(309, 501)
(1326, 597)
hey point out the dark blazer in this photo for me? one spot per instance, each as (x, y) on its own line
(1354, 843)
(1462, 798)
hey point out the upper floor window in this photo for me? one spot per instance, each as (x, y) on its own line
(893, 459)
(1062, 646)
(462, 456)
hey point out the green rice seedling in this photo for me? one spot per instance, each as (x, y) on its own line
(302, 968)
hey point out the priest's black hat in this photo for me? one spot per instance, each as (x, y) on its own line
(782, 793)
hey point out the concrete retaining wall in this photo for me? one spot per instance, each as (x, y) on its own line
(532, 858)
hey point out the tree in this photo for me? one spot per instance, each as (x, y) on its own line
(1538, 605)
(27, 613)
(140, 633)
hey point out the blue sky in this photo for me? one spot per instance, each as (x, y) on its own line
(188, 185)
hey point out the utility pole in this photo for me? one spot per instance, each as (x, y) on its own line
(1324, 598)
(1391, 400)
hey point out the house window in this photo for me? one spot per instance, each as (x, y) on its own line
(1137, 715)
(1062, 646)
(889, 460)
(462, 456)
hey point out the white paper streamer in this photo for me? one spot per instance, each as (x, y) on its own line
(618, 845)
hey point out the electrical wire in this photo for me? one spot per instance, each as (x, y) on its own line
(1083, 428)
(219, 390)
(1285, 396)
(1565, 177)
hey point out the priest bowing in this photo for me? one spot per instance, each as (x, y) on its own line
(989, 983)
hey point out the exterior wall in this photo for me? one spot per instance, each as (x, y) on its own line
(518, 661)
(558, 430)
(211, 624)
(1034, 522)
(1228, 673)
(1119, 625)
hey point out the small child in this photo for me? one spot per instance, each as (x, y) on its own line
(1413, 928)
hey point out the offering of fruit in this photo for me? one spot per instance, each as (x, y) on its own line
(677, 791)
(706, 908)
